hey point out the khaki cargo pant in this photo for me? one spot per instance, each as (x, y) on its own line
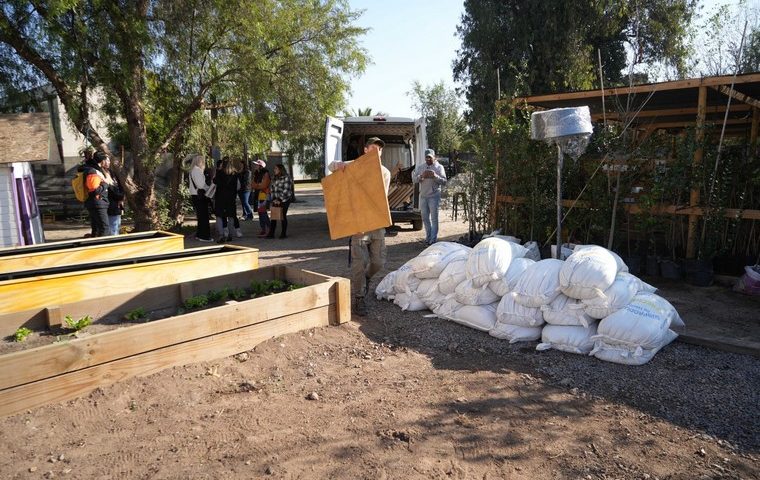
(367, 258)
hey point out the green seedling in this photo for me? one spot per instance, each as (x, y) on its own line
(198, 301)
(77, 325)
(135, 315)
(258, 289)
(21, 334)
(218, 295)
(237, 293)
(294, 286)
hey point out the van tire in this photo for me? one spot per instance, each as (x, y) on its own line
(416, 225)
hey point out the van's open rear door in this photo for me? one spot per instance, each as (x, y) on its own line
(420, 140)
(333, 139)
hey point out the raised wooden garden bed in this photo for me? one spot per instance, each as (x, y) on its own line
(43, 291)
(86, 250)
(69, 369)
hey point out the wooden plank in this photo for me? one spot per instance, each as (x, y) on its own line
(669, 112)
(652, 87)
(343, 300)
(39, 292)
(304, 277)
(656, 210)
(721, 343)
(726, 90)
(50, 360)
(185, 291)
(54, 316)
(691, 236)
(74, 384)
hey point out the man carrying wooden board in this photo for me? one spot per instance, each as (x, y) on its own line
(367, 248)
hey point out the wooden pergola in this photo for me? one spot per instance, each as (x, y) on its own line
(673, 106)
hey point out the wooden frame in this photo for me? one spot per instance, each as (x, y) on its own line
(87, 250)
(62, 371)
(39, 290)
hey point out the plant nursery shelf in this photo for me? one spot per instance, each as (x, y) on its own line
(85, 250)
(65, 370)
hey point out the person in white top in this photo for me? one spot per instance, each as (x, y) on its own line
(368, 251)
(431, 176)
(198, 189)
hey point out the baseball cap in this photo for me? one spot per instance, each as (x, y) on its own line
(99, 156)
(260, 163)
(429, 152)
(375, 141)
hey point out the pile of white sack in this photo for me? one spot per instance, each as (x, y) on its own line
(586, 304)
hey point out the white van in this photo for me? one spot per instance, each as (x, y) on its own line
(405, 142)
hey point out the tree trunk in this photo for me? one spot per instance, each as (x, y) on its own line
(176, 213)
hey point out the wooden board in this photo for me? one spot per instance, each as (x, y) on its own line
(65, 387)
(61, 371)
(76, 252)
(399, 194)
(92, 281)
(355, 199)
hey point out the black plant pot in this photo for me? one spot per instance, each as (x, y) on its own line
(652, 267)
(634, 265)
(698, 272)
(670, 269)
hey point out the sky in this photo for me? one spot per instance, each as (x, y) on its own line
(416, 40)
(410, 40)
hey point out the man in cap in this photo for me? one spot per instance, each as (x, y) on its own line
(431, 176)
(367, 248)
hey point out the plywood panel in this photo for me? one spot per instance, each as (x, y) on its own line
(355, 199)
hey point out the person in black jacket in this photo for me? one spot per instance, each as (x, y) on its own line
(227, 185)
(115, 198)
(97, 194)
(245, 190)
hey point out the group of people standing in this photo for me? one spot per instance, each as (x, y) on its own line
(233, 180)
(105, 196)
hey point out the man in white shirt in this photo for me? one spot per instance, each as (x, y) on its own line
(368, 251)
(431, 176)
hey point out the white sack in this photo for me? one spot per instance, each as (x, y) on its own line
(431, 261)
(588, 272)
(468, 294)
(479, 317)
(448, 308)
(428, 293)
(539, 283)
(642, 323)
(508, 238)
(490, 260)
(534, 253)
(617, 296)
(564, 310)
(384, 289)
(515, 333)
(621, 266)
(409, 301)
(506, 284)
(572, 339)
(451, 276)
(513, 313)
(626, 356)
(405, 281)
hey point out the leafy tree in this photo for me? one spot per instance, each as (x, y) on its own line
(359, 112)
(550, 46)
(720, 41)
(441, 108)
(155, 65)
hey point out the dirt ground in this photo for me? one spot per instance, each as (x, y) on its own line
(396, 395)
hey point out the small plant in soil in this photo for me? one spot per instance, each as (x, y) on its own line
(198, 301)
(77, 325)
(268, 287)
(135, 315)
(21, 334)
(218, 295)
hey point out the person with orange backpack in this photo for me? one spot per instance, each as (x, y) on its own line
(97, 194)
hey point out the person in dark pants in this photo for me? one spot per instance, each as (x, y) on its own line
(282, 194)
(198, 187)
(97, 194)
(245, 190)
(260, 184)
(227, 185)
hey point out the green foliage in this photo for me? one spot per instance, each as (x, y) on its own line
(135, 315)
(78, 324)
(440, 106)
(268, 287)
(21, 334)
(195, 302)
(552, 45)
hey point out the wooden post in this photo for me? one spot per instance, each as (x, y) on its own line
(54, 316)
(691, 247)
(753, 132)
(343, 300)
